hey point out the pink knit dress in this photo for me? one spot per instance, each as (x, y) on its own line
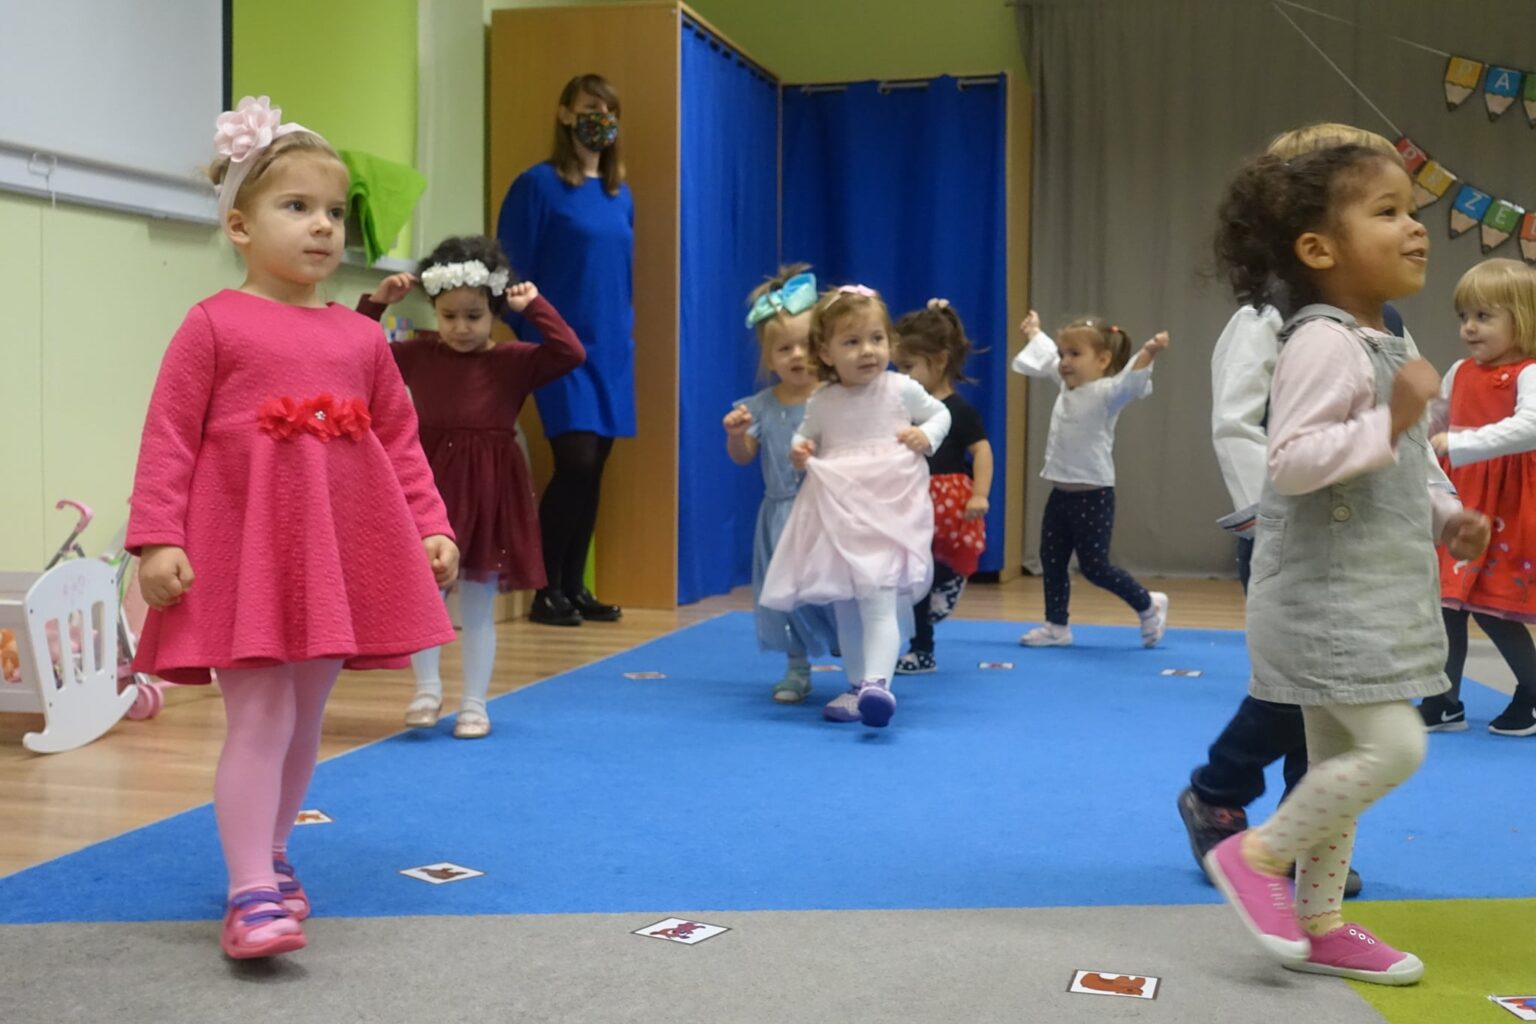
(280, 451)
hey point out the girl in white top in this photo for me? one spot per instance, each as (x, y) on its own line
(1098, 379)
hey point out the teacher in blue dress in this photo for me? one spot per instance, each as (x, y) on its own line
(568, 225)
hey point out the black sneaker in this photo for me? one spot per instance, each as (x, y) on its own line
(1208, 824)
(593, 610)
(552, 608)
(1519, 719)
(1442, 714)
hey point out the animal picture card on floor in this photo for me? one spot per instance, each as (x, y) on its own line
(675, 929)
(312, 818)
(1523, 1007)
(997, 665)
(1192, 673)
(441, 874)
(645, 675)
(1101, 983)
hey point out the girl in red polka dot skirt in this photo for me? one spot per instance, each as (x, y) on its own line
(931, 348)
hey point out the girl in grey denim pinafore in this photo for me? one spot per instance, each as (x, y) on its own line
(1344, 600)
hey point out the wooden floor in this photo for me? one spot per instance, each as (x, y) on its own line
(142, 772)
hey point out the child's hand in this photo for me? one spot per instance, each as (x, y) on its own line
(443, 556)
(393, 288)
(737, 421)
(1155, 344)
(801, 453)
(1466, 534)
(977, 507)
(164, 575)
(915, 439)
(1415, 384)
(520, 295)
(1441, 443)
(1031, 325)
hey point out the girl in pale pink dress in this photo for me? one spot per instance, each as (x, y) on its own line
(280, 463)
(860, 535)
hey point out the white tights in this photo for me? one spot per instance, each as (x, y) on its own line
(869, 635)
(477, 647)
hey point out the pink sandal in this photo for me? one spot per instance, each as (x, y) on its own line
(258, 925)
(295, 899)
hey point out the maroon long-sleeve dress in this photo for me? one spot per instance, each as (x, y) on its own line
(468, 404)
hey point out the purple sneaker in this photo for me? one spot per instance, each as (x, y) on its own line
(876, 703)
(1352, 952)
(843, 708)
(1266, 903)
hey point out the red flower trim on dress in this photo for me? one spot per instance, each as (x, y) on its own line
(323, 416)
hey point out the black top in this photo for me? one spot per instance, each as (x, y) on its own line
(965, 429)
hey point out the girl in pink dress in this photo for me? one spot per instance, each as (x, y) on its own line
(860, 536)
(282, 510)
(468, 392)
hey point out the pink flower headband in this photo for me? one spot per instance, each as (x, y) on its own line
(241, 134)
(857, 289)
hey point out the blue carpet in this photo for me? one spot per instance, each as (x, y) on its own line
(1049, 785)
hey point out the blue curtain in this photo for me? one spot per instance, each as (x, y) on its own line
(730, 220)
(903, 190)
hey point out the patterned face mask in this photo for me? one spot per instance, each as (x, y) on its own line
(596, 130)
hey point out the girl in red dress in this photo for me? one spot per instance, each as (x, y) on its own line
(468, 392)
(280, 465)
(1489, 451)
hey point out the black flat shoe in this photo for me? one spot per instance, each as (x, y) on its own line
(593, 610)
(552, 608)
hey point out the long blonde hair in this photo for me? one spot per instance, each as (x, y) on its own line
(566, 161)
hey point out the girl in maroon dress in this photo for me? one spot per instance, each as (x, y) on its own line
(468, 392)
(1489, 452)
(280, 463)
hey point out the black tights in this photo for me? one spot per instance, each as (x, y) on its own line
(568, 512)
(1512, 639)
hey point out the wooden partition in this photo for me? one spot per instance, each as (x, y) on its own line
(1016, 476)
(532, 53)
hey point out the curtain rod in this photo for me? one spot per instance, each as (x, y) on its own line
(894, 85)
(705, 30)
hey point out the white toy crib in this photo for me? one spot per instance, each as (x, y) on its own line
(66, 624)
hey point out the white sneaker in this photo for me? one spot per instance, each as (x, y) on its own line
(1048, 635)
(842, 708)
(1154, 621)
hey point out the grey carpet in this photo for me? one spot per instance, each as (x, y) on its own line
(932, 967)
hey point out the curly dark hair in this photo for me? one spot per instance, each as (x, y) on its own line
(1272, 202)
(465, 248)
(936, 331)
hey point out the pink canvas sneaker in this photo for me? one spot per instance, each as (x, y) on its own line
(1352, 952)
(1266, 903)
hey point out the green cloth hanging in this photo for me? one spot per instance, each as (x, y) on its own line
(382, 196)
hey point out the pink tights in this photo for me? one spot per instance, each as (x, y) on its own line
(270, 747)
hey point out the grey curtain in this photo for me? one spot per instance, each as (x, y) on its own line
(1142, 110)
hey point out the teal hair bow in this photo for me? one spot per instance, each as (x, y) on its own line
(797, 296)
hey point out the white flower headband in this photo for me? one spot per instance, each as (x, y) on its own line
(242, 133)
(444, 277)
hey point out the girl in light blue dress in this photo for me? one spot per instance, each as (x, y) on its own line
(765, 424)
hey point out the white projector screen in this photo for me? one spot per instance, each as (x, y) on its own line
(112, 102)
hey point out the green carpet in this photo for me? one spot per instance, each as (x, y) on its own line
(1471, 949)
